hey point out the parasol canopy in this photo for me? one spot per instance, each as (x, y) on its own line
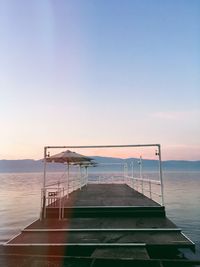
(70, 157)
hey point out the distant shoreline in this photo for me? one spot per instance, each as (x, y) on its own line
(29, 165)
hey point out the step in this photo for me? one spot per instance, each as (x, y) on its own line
(39, 260)
(105, 237)
(116, 211)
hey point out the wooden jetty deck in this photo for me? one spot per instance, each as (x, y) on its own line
(103, 224)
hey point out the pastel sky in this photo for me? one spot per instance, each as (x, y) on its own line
(76, 72)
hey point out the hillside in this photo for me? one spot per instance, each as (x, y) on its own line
(29, 165)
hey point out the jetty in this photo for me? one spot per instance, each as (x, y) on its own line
(100, 221)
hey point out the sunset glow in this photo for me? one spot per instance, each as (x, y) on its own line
(100, 72)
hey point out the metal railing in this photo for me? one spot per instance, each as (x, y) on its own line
(148, 187)
(52, 196)
(54, 193)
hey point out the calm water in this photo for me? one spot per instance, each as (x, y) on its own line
(20, 201)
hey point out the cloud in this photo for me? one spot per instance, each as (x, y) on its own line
(177, 115)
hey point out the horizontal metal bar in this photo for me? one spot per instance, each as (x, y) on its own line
(53, 184)
(52, 188)
(53, 197)
(114, 163)
(144, 180)
(105, 146)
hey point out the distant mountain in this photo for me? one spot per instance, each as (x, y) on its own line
(148, 164)
(104, 163)
(27, 165)
(181, 165)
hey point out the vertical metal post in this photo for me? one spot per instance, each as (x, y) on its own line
(58, 186)
(44, 180)
(80, 178)
(43, 208)
(150, 194)
(77, 183)
(132, 174)
(73, 183)
(67, 180)
(132, 168)
(41, 204)
(161, 176)
(124, 171)
(84, 177)
(140, 162)
(86, 173)
(62, 203)
(60, 207)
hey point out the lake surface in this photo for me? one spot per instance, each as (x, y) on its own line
(20, 201)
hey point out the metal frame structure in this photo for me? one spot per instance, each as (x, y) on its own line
(158, 153)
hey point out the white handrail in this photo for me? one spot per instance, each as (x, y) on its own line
(141, 186)
(138, 183)
(144, 180)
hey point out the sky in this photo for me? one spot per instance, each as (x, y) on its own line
(97, 72)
